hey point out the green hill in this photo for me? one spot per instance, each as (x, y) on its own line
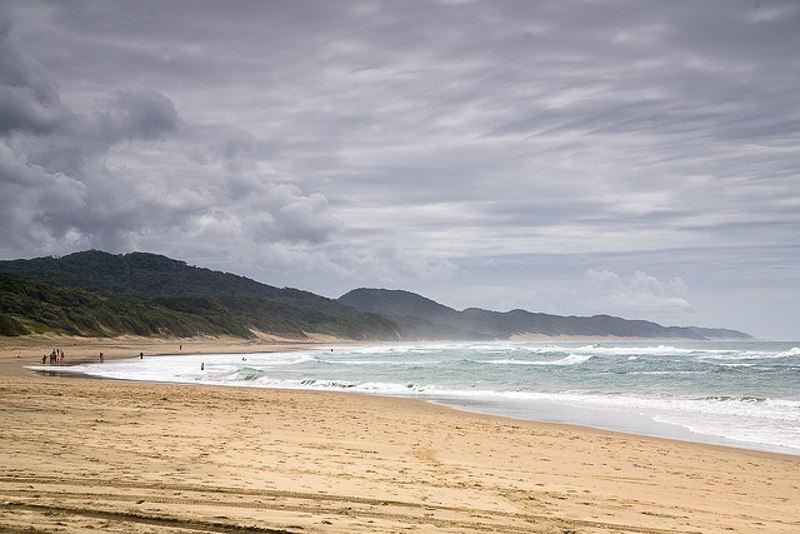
(94, 293)
(98, 294)
(153, 275)
(28, 306)
(474, 323)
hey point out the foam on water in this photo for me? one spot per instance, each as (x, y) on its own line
(572, 359)
(743, 394)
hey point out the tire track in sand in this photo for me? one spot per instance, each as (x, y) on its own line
(220, 498)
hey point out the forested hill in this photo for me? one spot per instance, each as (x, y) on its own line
(153, 275)
(95, 293)
(403, 307)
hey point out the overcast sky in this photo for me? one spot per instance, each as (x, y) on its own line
(637, 158)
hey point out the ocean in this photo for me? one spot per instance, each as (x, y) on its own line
(742, 394)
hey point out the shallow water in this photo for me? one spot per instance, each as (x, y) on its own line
(737, 393)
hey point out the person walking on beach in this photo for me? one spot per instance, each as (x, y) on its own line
(141, 355)
(101, 358)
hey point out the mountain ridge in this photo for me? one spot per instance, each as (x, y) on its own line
(394, 304)
(98, 293)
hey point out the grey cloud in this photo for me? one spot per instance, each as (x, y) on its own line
(234, 149)
(282, 213)
(358, 136)
(67, 185)
(73, 141)
(29, 100)
(393, 264)
(639, 294)
(20, 112)
(237, 144)
(31, 202)
(145, 114)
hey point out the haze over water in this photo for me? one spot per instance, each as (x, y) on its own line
(743, 394)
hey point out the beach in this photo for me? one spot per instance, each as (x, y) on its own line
(81, 455)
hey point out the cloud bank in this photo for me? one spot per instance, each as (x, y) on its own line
(494, 149)
(641, 294)
(100, 178)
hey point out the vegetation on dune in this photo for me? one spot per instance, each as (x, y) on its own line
(101, 294)
(152, 275)
(36, 307)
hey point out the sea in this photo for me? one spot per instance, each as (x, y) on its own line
(741, 394)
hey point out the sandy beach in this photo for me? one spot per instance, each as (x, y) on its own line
(81, 455)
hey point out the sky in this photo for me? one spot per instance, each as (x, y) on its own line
(628, 157)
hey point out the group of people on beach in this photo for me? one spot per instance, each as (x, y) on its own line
(56, 357)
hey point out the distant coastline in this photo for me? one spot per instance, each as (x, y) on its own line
(27, 348)
(97, 294)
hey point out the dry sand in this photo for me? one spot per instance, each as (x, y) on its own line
(80, 455)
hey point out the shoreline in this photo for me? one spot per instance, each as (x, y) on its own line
(14, 351)
(661, 431)
(125, 347)
(176, 458)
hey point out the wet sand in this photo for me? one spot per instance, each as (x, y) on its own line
(81, 455)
